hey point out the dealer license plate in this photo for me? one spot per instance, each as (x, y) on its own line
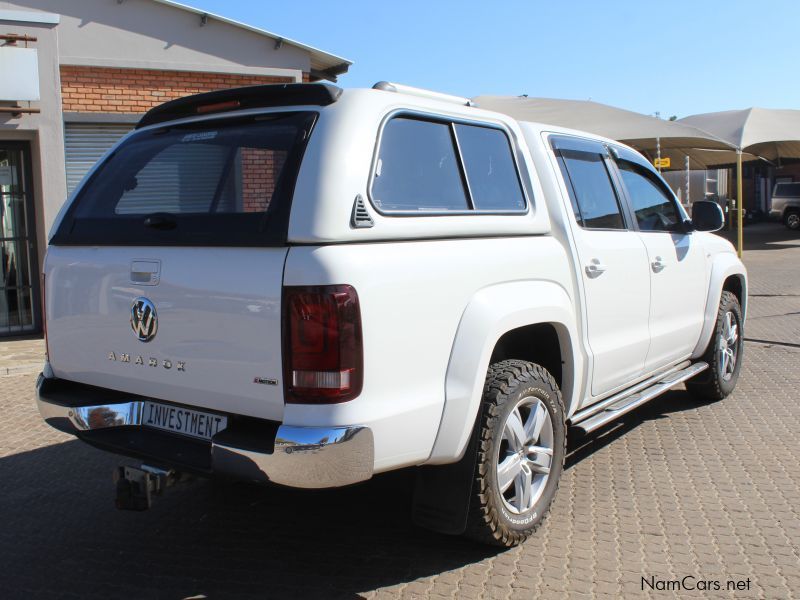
(176, 419)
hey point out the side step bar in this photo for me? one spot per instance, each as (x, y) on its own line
(605, 411)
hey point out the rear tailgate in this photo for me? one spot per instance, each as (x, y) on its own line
(217, 341)
(164, 278)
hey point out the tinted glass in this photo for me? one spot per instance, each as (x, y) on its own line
(654, 208)
(417, 168)
(787, 189)
(591, 191)
(223, 182)
(490, 168)
(217, 170)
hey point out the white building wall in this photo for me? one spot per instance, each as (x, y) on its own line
(148, 35)
(44, 130)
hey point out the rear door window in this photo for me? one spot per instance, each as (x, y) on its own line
(592, 194)
(223, 182)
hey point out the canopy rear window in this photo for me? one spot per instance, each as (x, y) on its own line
(225, 182)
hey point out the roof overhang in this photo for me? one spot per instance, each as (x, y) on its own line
(323, 64)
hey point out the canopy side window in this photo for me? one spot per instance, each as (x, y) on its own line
(427, 165)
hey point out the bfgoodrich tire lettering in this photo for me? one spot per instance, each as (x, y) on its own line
(723, 355)
(520, 400)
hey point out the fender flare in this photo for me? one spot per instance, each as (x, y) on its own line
(722, 268)
(492, 312)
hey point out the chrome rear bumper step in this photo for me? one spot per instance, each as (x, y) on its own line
(595, 416)
(294, 456)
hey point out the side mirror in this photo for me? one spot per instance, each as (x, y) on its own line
(707, 216)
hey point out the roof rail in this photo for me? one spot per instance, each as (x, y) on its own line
(388, 86)
(254, 96)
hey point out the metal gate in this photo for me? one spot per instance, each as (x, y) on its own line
(85, 144)
(19, 267)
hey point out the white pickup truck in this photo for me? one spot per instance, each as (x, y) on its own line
(307, 286)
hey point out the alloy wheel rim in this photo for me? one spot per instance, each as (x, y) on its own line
(525, 455)
(728, 351)
(793, 221)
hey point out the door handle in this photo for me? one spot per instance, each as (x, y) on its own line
(595, 268)
(658, 264)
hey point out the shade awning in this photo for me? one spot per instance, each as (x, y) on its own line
(643, 132)
(699, 158)
(773, 134)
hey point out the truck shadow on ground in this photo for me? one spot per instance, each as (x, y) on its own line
(581, 445)
(62, 534)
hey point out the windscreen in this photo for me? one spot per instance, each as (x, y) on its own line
(222, 182)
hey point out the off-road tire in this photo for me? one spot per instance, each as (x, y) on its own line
(711, 384)
(507, 383)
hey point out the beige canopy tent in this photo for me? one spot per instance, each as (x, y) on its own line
(651, 136)
(773, 134)
(769, 133)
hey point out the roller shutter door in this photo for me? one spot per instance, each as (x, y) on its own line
(85, 144)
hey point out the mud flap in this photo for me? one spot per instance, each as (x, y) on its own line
(442, 492)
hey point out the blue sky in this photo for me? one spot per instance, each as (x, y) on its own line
(676, 57)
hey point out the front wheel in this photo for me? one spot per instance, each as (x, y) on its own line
(724, 353)
(521, 449)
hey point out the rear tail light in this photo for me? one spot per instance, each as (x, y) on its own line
(323, 354)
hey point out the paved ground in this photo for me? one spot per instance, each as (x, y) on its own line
(676, 489)
(21, 356)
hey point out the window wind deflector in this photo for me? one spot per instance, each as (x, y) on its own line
(255, 96)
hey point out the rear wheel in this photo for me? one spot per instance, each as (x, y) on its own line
(792, 220)
(724, 353)
(521, 453)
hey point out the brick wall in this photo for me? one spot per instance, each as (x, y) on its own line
(260, 170)
(107, 90)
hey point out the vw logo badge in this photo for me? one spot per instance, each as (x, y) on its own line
(144, 320)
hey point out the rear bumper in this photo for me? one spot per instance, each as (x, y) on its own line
(249, 449)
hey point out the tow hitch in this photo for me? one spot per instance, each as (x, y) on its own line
(136, 486)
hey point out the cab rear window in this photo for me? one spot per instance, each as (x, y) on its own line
(223, 182)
